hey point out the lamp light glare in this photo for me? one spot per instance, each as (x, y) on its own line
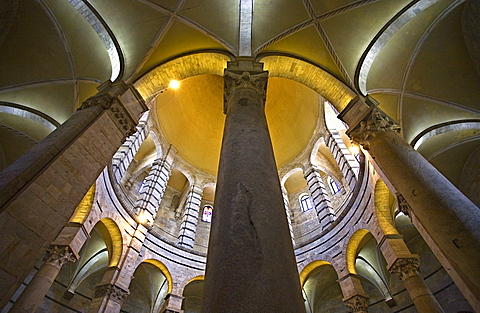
(143, 218)
(354, 149)
(174, 84)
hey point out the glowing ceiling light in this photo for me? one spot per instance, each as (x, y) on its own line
(174, 84)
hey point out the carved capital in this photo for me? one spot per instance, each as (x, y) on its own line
(405, 268)
(372, 126)
(112, 292)
(59, 255)
(235, 81)
(403, 205)
(357, 304)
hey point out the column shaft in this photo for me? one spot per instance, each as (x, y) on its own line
(286, 203)
(319, 197)
(188, 228)
(124, 156)
(446, 219)
(347, 163)
(40, 191)
(422, 297)
(154, 187)
(250, 263)
(32, 296)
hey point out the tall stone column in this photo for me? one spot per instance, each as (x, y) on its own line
(354, 296)
(286, 203)
(125, 154)
(402, 262)
(322, 205)
(40, 191)
(446, 219)
(32, 296)
(188, 228)
(422, 297)
(154, 185)
(250, 264)
(345, 160)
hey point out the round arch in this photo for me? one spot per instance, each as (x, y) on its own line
(84, 207)
(355, 242)
(113, 240)
(164, 271)
(318, 79)
(384, 200)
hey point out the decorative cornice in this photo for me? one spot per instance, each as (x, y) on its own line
(405, 268)
(248, 80)
(370, 127)
(113, 292)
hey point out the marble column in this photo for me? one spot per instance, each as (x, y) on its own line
(446, 219)
(286, 203)
(322, 205)
(250, 264)
(40, 191)
(354, 295)
(407, 270)
(32, 296)
(125, 154)
(345, 160)
(154, 186)
(188, 228)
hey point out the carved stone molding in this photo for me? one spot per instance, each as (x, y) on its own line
(369, 128)
(403, 205)
(113, 292)
(357, 304)
(235, 81)
(122, 119)
(59, 255)
(405, 268)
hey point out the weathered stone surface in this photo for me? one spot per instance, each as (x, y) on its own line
(250, 264)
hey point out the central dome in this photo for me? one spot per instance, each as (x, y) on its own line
(192, 119)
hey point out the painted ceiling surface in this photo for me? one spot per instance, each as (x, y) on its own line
(415, 57)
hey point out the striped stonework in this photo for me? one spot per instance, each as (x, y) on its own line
(286, 203)
(154, 187)
(124, 156)
(188, 228)
(345, 160)
(318, 194)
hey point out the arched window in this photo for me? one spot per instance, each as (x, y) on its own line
(334, 186)
(305, 202)
(142, 185)
(207, 213)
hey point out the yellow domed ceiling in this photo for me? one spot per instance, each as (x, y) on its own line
(192, 119)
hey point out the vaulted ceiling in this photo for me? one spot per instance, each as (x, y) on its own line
(417, 58)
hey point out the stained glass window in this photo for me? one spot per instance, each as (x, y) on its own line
(207, 213)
